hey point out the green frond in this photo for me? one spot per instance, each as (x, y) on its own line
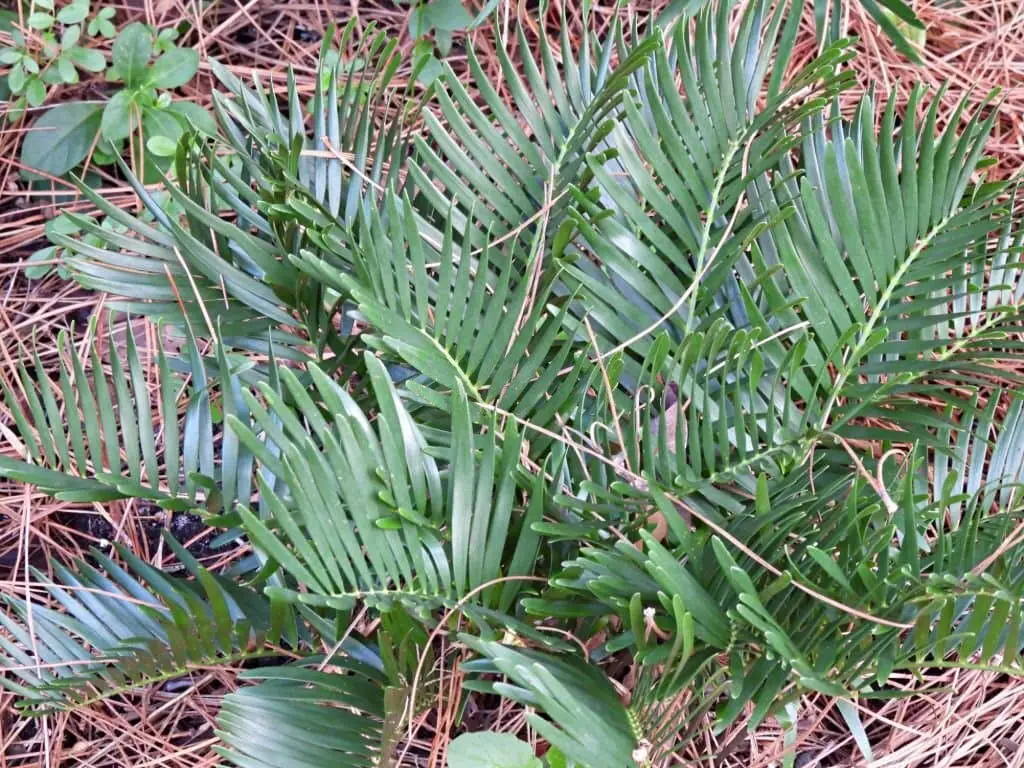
(666, 257)
(365, 510)
(119, 630)
(97, 435)
(911, 238)
(349, 157)
(197, 270)
(298, 716)
(458, 316)
(875, 583)
(667, 355)
(505, 177)
(587, 722)
(897, 19)
(185, 262)
(980, 461)
(102, 444)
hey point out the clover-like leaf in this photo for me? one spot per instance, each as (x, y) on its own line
(35, 92)
(70, 37)
(40, 20)
(41, 263)
(74, 13)
(66, 69)
(161, 146)
(101, 24)
(16, 77)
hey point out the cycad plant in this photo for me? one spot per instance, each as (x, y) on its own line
(663, 390)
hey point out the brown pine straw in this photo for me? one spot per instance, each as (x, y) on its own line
(972, 47)
(956, 719)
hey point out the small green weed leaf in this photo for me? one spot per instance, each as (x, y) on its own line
(166, 128)
(61, 138)
(88, 59)
(165, 40)
(40, 20)
(443, 39)
(151, 166)
(66, 70)
(38, 265)
(119, 116)
(101, 23)
(161, 146)
(161, 122)
(70, 38)
(104, 156)
(131, 53)
(16, 78)
(428, 70)
(61, 225)
(35, 92)
(447, 15)
(174, 68)
(194, 116)
(488, 749)
(74, 13)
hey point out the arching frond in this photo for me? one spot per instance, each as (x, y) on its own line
(588, 724)
(506, 177)
(459, 317)
(369, 514)
(665, 258)
(896, 18)
(349, 157)
(99, 436)
(301, 716)
(118, 630)
(663, 363)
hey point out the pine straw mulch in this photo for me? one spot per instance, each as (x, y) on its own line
(971, 719)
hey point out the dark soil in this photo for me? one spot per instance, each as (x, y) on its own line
(95, 531)
(150, 525)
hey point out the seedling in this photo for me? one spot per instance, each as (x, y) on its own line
(48, 50)
(149, 66)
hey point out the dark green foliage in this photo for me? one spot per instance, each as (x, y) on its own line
(145, 628)
(713, 378)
